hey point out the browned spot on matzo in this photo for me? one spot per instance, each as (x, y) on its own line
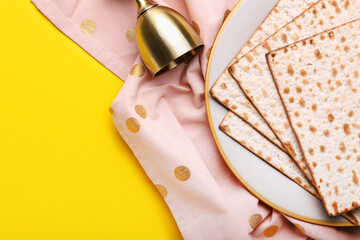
(264, 92)
(346, 128)
(302, 102)
(266, 45)
(311, 151)
(290, 149)
(249, 57)
(318, 84)
(246, 68)
(335, 207)
(331, 117)
(284, 37)
(347, 3)
(303, 72)
(245, 116)
(342, 147)
(318, 54)
(336, 6)
(322, 148)
(328, 167)
(223, 86)
(355, 178)
(334, 72)
(257, 67)
(312, 128)
(315, 12)
(290, 69)
(294, 47)
(314, 107)
(224, 128)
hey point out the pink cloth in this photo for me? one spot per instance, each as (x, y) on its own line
(170, 134)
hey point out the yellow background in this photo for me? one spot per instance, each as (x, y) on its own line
(65, 173)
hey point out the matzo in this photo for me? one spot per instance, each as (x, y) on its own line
(248, 113)
(324, 109)
(282, 13)
(248, 137)
(241, 132)
(252, 73)
(225, 89)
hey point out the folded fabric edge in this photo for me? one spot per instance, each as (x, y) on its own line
(98, 51)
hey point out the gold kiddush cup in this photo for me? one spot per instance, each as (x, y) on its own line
(164, 37)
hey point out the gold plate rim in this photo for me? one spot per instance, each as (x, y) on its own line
(222, 152)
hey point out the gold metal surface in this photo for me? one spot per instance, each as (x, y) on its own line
(143, 5)
(164, 37)
(227, 160)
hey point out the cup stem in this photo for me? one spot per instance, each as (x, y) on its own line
(142, 6)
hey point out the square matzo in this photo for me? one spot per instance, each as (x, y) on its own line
(318, 81)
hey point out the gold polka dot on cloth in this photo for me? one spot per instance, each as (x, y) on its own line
(270, 231)
(196, 27)
(162, 190)
(182, 173)
(141, 111)
(130, 35)
(254, 220)
(133, 125)
(300, 227)
(137, 70)
(226, 14)
(88, 26)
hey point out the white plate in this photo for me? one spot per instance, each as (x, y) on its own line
(258, 177)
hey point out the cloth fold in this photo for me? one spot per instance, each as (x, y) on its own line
(164, 122)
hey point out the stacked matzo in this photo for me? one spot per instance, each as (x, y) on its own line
(251, 73)
(247, 136)
(319, 83)
(253, 76)
(226, 91)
